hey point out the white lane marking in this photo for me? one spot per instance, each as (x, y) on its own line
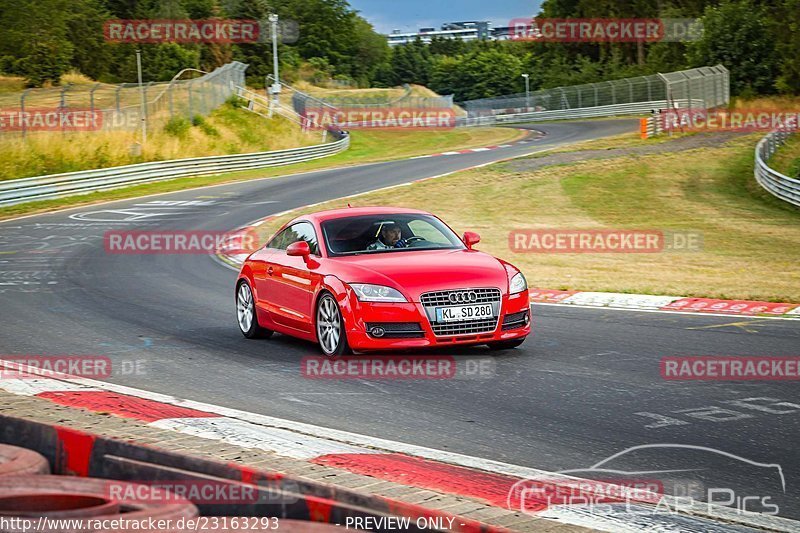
(240, 433)
(506, 146)
(450, 153)
(34, 386)
(692, 313)
(480, 149)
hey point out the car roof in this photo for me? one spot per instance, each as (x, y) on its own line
(322, 216)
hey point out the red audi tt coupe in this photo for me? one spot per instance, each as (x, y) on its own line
(380, 278)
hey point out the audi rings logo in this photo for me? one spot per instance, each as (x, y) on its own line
(463, 297)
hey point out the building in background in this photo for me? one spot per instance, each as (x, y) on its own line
(469, 30)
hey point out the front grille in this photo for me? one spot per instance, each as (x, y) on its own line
(432, 300)
(515, 320)
(398, 330)
(442, 298)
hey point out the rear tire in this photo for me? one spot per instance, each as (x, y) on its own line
(331, 331)
(506, 345)
(246, 315)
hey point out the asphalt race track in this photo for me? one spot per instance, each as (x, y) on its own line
(585, 386)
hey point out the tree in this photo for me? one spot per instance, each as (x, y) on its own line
(412, 63)
(35, 35)
(736, 34)
(788, 46)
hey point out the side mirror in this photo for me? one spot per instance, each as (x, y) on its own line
(298, 249)
(471, 239)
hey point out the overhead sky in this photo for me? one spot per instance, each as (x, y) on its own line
(411, 15)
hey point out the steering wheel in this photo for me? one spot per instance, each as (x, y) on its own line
(415, 238)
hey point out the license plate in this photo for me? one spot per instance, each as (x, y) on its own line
(463, 312)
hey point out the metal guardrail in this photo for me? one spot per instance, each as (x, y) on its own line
(636, 108)
(777, 184)
(18, 191)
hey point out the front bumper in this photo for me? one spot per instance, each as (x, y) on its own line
(409, 326)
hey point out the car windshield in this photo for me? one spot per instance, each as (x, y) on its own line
(371, 234)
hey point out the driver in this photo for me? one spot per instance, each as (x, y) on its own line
(390, 236)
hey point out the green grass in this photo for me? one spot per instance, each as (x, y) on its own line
(751, 241)
(366, 147)
(786, 159)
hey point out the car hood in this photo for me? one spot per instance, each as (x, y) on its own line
(423, 271)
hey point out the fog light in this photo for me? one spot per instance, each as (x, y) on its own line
(527, 318)
(377, 331)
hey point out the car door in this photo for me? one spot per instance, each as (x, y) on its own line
(263, 274)
(292, 281)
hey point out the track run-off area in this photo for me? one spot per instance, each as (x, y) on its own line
(584, 387)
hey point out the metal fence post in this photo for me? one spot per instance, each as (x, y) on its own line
(170, 102)
(91, 98)
(63, 105)
(191, 96)
(22, 112)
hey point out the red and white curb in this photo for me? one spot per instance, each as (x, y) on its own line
(416, 466)
(669, 304)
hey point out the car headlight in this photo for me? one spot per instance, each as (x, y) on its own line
(377, 293)
(517, 283)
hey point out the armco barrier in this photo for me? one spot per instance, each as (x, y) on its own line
(777, 184)
(58, 185)
(74, 452)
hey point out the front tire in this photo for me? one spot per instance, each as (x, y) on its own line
(246, 313)
(506, 345)
(330, 327)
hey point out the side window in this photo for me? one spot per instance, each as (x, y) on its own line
(278, 242)
(302, 231)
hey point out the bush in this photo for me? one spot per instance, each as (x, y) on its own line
(177, 127)
(235, 101)
(205, 127)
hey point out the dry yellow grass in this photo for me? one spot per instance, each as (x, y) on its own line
(228, 131)
(771, 103)
(11, 84)
(751, 242)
